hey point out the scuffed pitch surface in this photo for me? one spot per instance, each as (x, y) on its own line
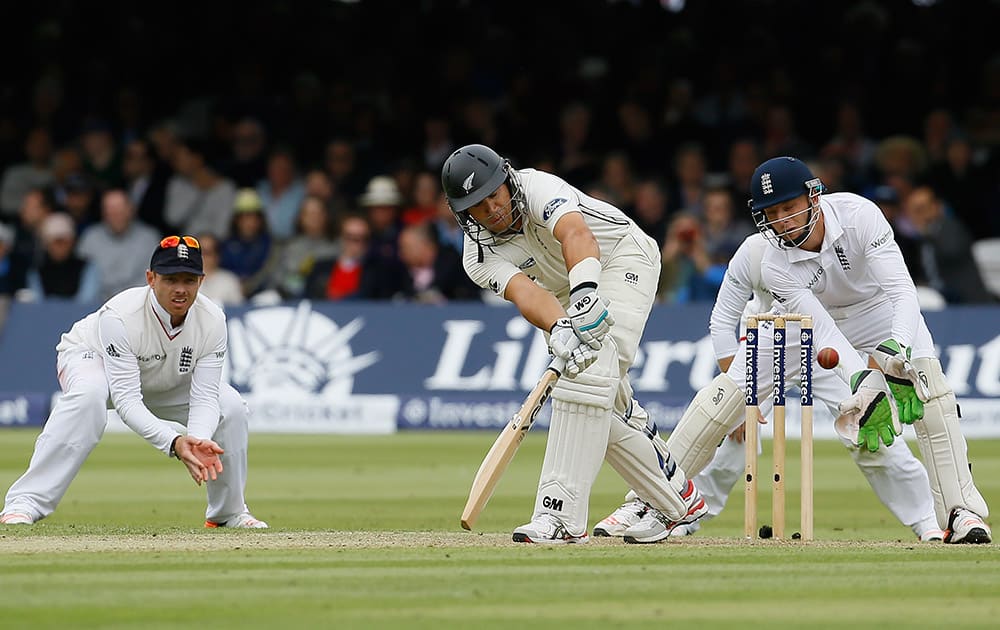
(24, 543)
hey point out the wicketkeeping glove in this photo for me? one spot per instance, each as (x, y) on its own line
(590, 316)
(904, 380)
(870, 409)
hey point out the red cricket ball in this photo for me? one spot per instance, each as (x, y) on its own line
(828, 358)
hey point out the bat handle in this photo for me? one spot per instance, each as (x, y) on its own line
(557, 365)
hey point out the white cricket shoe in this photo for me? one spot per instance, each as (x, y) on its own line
(965, 527)
(546, 529)
(626, 516)
(931, 535)
(655, 526)
(16, 518)
(244, 520)
(686, 529)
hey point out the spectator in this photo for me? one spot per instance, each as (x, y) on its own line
(381, 202)
(34, 173)
(340, 278)
(248, 162)
(36, 206)
(432, 274)
(618, 179)
(282, 193)
(101, 160)
(341, 166)
(220, 285)
(689, 179)
(576, 158)
(963, 186)
(688, 273)
(146, 185)
(62, 274)
(849, 144)
(67, 163)
(198, 198)
(946, 263)
(119, 245)
(81, 201)
(650, 212)
(12, 273)
(723, 232)
(449, 232)
(248, 250)
(313, 241)
(426, 188)
(743, 160)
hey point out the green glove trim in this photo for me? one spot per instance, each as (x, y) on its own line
(910, 407)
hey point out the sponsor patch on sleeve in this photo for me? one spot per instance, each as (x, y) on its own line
(551, 206)
(882, 240)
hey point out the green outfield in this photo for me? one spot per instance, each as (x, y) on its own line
(365, 533)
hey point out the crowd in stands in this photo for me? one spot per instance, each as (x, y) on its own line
(327, 186)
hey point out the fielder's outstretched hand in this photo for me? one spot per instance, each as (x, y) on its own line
(200, 456)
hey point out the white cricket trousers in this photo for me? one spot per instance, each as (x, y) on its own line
(77, 422)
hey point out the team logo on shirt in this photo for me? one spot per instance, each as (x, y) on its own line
(551, 206)
(187, 358)
(845, 264)
(112, 351)
(528, 263)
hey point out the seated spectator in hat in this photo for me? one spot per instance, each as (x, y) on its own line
(339, 278)
(431, 274)
(313, 241)
(32, 174)
(198, 198)
(62, 274)
(220, 285)
(381, 202)
(119, 245)
(282, 192)
(248, 249)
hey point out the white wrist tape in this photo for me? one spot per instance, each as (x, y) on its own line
(585, 274)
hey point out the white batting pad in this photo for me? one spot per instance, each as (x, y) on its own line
(577, 441)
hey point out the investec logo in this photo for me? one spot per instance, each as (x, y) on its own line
(294, 349)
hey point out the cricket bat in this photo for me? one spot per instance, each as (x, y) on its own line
(497, 459)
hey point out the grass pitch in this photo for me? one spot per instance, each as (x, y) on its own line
(365, 533)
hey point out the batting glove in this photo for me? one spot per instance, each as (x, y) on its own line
(870, 410)
(907, 387)
(564, 343)
(589, 314)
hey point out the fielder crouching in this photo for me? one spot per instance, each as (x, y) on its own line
(580, 269)
(154, 353)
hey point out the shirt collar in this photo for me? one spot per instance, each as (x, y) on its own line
(832, 232)
(164, 317)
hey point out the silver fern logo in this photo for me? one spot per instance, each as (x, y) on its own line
(294, 349)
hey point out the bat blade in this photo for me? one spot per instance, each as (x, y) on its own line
(502, 452)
